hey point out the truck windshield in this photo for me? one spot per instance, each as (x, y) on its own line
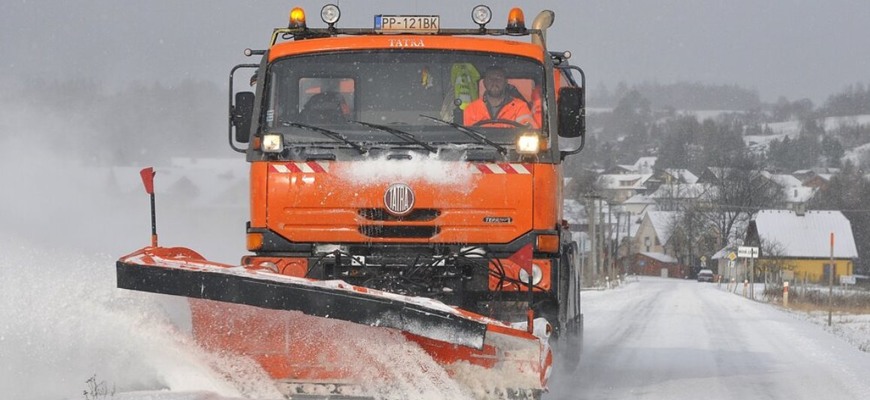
(353, 92)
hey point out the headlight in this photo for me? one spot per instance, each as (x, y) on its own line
(537, 275)
(528, 143)
(272, 143)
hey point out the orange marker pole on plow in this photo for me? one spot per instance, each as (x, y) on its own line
(147, 175)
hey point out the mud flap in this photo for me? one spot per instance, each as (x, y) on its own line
(182, 272)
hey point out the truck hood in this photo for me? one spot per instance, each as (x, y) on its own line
(365, 201)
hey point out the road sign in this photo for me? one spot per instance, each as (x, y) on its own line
(747, 252)
(847, 279)
(732, 256)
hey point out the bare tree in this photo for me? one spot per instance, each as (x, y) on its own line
(738, 193)
(771, 264)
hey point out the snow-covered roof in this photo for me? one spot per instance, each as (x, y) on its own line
(808, 235)
(639, 199)
(784, 180)
(623, 181)
(722, 253)
(645, 164)
(682, 175)
(663, 223)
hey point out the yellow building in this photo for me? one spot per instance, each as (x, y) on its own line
(798, 245)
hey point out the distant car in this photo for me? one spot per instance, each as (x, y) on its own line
(705, 275)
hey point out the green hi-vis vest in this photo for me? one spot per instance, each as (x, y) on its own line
(465, 77)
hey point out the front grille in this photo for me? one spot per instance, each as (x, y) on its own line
(380, 214)
(410, 232)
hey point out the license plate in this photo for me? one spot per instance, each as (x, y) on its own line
(407, 23)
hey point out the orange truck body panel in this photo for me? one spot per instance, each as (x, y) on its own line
(322, 205)
(386, 42)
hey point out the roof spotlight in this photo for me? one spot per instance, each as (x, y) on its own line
(330, 14)
(481, 15)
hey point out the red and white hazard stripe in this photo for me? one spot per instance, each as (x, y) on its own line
(309, 167)
(504, 168)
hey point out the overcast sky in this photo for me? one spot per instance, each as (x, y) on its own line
(793, 48)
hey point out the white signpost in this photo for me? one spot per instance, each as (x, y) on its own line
(747, 252)
(751, 253)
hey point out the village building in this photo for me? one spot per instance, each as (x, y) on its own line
(797, 246)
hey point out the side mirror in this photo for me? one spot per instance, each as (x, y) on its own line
(572, 112)
(242, 114)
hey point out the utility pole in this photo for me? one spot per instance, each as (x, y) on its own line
(831, 282)
(610, 240)
(618, 228)
(593, 235)
(601, 242)
(628, 235)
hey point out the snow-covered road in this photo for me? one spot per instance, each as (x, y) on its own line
(675, 339)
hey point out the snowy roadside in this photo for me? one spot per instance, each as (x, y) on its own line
(852, 328)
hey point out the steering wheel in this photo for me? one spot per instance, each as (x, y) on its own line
(498, 121)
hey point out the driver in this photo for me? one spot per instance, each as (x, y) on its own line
(498, 103)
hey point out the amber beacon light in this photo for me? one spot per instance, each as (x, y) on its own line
(516, 21)
(297, 18)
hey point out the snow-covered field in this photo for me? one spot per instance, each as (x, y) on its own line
(791, 129)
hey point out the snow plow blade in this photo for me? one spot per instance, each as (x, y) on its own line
(183, 272)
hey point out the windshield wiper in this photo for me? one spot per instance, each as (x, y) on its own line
(400, 134)
(471, 133)
(328, 133)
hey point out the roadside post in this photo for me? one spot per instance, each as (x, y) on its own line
(785, 294)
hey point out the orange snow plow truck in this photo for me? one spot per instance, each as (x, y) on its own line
(405, 188)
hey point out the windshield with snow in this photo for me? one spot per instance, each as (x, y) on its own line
(414, 98)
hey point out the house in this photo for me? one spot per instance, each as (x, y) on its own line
(820, 181)
(657, 264)
(816, 177)
(643, 165)
(677, 175)
(799, 244)
(638, 205)
(620, 187)
(795, 194)
(713, 175)
(654, 232)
